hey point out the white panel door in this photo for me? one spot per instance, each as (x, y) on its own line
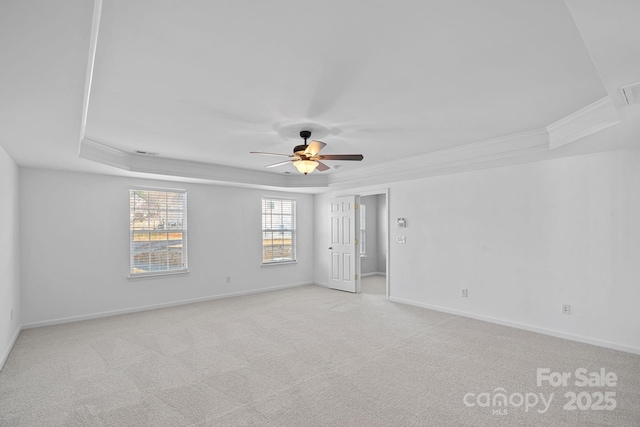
(343, 246)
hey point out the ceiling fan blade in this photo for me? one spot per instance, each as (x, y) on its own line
(271, 154)
(356, 157)
(321, 166)
(279, 164)
(314, 148)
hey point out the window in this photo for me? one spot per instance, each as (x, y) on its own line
(158, 231)
(278, 230)
(363, 230)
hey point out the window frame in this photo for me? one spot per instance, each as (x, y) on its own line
(293, 230)
(179, 226)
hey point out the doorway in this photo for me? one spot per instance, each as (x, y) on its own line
(373, 236)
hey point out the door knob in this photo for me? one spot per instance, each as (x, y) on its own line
(330, 247)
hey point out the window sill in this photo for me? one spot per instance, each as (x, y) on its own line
(143, 276)
(269, 264)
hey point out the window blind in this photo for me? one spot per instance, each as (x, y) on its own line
(278, 230)
(158, 231)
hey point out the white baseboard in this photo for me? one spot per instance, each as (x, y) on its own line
(6, 352)
(377, 273)
(524, 326)
(157, 306)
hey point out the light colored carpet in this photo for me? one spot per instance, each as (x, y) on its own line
(304, 357)
(374, 285)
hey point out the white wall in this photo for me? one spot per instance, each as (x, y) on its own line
(75, 246)
(9, 255)
(524, 240)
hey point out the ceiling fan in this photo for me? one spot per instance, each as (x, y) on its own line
(306, 157)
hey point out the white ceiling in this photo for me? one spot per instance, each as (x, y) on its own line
(203, 83)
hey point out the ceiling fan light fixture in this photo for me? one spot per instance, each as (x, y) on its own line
(305, 166)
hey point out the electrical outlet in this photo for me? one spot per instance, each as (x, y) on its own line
(566, 309)
(402, 239)
(465, 293)
(228, 279)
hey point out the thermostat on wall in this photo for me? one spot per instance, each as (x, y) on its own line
(401, 222)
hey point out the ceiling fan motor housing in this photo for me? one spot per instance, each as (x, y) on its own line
(300, 149)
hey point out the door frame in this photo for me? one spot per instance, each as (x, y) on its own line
(374, 192)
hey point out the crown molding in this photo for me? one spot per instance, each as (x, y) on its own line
(521, 147)
(101, 153)
(93, 44)
(589, 120)
(457, 159)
